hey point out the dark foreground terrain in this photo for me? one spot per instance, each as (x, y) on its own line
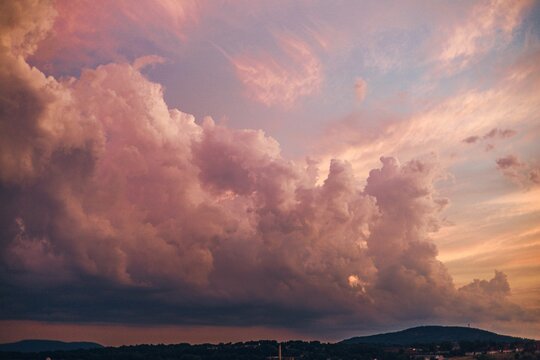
(408, 344)
(431, 335)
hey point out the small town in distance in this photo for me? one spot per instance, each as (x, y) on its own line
(425, 342)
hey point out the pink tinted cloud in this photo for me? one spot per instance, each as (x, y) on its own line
(114, 195)
(522, 173)
(534, 176)
(360, 89)
(148, 60)
(509, 162)
(486, 25)
(21, 32)
(471, 139)
(470, 116)
(493, 134)
(499, 133)
(284, 79)
(87, 33)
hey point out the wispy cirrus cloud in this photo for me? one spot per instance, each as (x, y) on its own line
(486, 25)
(469, 116)
(280, 80)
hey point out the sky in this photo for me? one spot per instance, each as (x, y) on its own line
(214, 171)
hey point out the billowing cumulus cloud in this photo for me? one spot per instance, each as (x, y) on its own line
(125, 210)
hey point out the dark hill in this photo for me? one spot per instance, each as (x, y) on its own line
(47, 345)
(431, 334)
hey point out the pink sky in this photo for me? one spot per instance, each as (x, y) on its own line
(222, 171)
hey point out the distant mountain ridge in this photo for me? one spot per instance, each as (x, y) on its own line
(431, 334)
(47, 345)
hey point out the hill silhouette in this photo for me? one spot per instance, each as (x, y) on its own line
(47, 345)
(431, 334)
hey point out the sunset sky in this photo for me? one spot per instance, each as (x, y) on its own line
(192, 171)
